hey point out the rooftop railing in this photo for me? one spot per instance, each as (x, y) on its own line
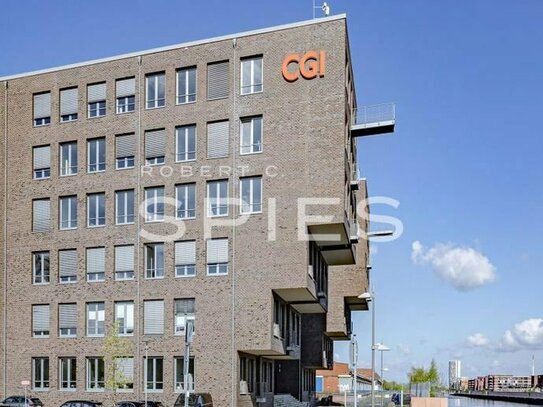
(372, 114)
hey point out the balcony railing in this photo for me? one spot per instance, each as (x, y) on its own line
(374, 119)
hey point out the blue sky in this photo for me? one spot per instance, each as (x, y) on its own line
(465, 161)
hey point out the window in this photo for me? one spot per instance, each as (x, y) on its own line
(96, 210)
(184, 311)
(155, 147)
(251, 135)
(68, 104)
(217, 256)
(67, 371)
(217, 80)
(124, 318)
(40, 321)
(40, 373)
(251, 75)
(68, 158)
(154, 204)
(154, 260)
(67, 320)
(96, 258)
(95, 319)
(153, 317)
(96, 97)
(42, 162)
(125, 368)
(125, 93)
(95, 374)
(218, 134)
(124, 262)
(179, 368)
(186, 85)
(251, 195)
(186, 201)
(125, 151)
(96, 155)
(185, 137)
(41, 215)
(154, 374)
(217, 198)
(42, 109)
(67, 266)
(185, 258)
(68, 212)
(155, 85)
(124, 207)
(40, 268)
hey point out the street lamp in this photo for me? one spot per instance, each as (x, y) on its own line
(354, 363)
(370, 297)
(382, 348)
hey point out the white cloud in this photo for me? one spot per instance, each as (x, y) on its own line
(477, 340)
(527, 334)
(465, 268)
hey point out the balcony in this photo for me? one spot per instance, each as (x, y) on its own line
(355, 179)
(374, 119)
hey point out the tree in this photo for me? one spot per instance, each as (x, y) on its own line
(115, 349)
(433, 374)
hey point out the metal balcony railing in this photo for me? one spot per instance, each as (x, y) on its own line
(381, 113)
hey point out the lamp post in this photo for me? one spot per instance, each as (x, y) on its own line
(354, 364)
(382, 348)
(145, 367)
(370, 297)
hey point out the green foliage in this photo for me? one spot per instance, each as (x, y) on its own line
(393, 386)
(115, 347)
(422, 375)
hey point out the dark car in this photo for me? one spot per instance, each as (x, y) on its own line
(130, 404)
(195, 400)
(20, 401)
(396, 398)
(82, 403)
(151, 403)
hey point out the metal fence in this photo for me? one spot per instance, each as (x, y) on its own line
(384, 112)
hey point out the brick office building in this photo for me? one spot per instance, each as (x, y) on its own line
(103, 160)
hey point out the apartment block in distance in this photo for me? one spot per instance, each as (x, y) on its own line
(213, 181)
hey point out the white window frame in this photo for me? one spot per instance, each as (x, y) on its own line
(124, 330)
(96, 109)
(185, 72)
(97, 311)
(73, 278)
(94, 199)
(70, 169)
(122, 108)
(125, 208)
(182, 136)
(179, 386)
(72, 222)
(252, 86)
(154, 388)
(45, 277)
(252, 146)
(98, 166)
(41, 334)
(251, 204)
(156, 101)
(42, 121)
(154, 199)
(41, 173)
(216, 200)
(66, 383)
(182, 193)
(70, 333)
(90, 381)
(179, 329)
(43, 361)
(152, 273)
(123, 278)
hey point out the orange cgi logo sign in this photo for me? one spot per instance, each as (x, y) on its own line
(310, 65)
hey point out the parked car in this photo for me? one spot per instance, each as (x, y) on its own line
(82, 403)
(195, 400)
(19, 401)
(130, 404)
(151, 404)
(406, 398)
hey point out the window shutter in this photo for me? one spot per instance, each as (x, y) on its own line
(96, 93)
(124, 258)
(125, 146)
(185, 306)
(153, 323)
(126, 87)
(68, 101)
(185, 253)
(217, 139)
(217, 251)
(155, 143)
(96, 260)
(40, 317)
(42, 105)
(67, 263)
(126, 366)
(41, 215)
(42, 157)
(67, 316)
(217, 80)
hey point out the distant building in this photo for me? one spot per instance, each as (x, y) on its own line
(508, 383)
(463, 384)
(340, 380)
(471, 384)
(455, 372)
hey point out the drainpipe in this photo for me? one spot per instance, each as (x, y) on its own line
(137, 268)
(5, 227)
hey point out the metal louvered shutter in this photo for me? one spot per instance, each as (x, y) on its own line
(124, 258)
(153, 322)
(40, 317)
(217, 80)
(126, 87)
(217, 139)
(67, 314)
(41, 215)
(42, 105)
(185, 253)
(42, 157)
(96, 260)
(217, 251)
(125, 146)
(126, 367)
(155, 143)
(67, 263)
(96, 93)
(68, 101)
(184, 306)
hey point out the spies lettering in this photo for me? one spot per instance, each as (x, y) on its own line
(310, 65)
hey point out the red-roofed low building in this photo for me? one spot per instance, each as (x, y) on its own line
(339, 379)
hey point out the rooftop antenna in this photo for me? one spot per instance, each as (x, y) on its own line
(325, 9)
